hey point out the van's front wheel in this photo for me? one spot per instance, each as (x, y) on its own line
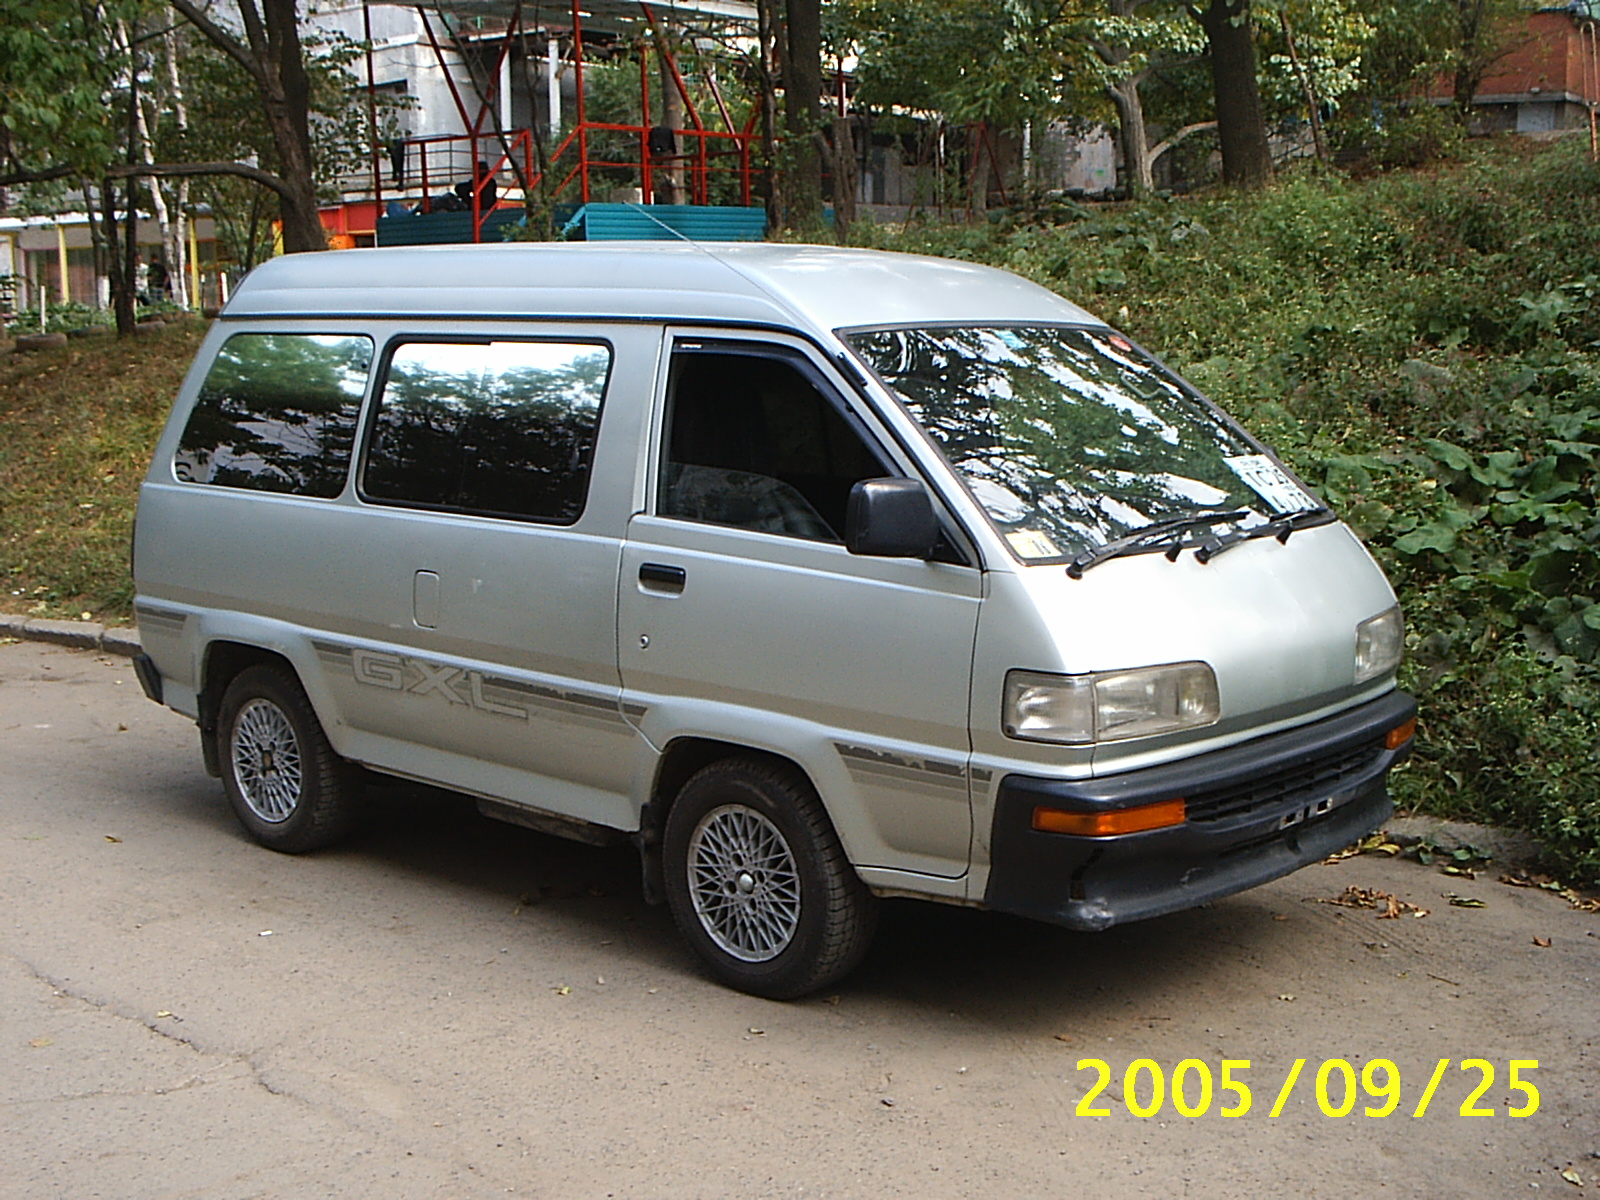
(759, 884)
(288, 787)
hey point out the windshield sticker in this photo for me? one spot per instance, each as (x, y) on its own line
(1269, 481)
(1030, 543)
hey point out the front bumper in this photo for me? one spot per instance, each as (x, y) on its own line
(1255, 811)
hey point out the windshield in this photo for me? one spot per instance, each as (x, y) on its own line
(1071, 438)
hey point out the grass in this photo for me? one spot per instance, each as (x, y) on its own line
(77, 426)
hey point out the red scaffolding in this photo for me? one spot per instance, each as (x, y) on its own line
(700, 153)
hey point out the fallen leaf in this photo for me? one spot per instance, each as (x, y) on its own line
(1543, 943)
(1464, 872)
(1064, 1037)
(1286, 996)
(563, 990)
(1463, 901)
(122, 727)
(41, 1043)
(888, 1103)
(1572, 1177)
(110, 838)
(1375, 843)
(758, 1032)
(163, 1013)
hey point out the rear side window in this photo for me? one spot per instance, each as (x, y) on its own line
(277, 413)
(504, 429)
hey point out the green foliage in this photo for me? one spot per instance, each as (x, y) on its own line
(1424, 350)
(58, 64)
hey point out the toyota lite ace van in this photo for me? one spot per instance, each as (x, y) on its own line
(821, 575)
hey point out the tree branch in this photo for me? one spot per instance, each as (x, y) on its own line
(171, 170)
(44, 176)
(222, 39)
(1166, 144)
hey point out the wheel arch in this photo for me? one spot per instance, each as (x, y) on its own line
(220, 662)
(681, 759)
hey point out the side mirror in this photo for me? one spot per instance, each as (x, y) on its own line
(890, 518)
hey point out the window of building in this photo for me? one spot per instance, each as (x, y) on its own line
(277, 413)
(503, 429)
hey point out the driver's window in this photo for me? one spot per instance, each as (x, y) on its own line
(753, 442)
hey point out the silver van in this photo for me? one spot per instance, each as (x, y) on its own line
(821, 575)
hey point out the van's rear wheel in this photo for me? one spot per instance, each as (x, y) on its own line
(288, 788)
(759, 884)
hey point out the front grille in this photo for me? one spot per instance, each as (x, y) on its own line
(1318, 777)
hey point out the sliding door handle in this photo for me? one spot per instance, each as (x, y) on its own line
(662, 578)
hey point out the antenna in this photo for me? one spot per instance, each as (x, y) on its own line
(679, 234)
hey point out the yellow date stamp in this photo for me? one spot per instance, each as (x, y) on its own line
(1193, 1088)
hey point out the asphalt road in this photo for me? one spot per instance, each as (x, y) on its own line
(449, 1007)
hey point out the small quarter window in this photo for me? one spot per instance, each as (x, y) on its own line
(503, 429)
(754, 443)
(277, 413)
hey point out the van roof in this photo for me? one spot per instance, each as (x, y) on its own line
(814, 287)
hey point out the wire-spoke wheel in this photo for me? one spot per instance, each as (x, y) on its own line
(266, 761)
(746, 885)
(758, 882)
(288, 788)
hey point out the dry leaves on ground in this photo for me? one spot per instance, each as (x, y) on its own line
(1526, 879)
(1389, 905)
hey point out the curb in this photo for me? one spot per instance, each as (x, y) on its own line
(80, 635)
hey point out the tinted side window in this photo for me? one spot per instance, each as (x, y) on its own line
(494, 428)
(752, 442)
(277, 413)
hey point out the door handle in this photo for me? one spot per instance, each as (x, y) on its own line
(661, 577)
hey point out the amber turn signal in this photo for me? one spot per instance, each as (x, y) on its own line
(1401, 734)
(1112, 822)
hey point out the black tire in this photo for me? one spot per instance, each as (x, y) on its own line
(288, 788)
(758, 883)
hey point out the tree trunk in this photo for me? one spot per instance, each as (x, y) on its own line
(1472, 63)
(767, 39)
(1136, 162)
(1241, 128)
(272, 56)
(802, 104)
(124, 302)
(178, 251)
(1313, 101)
(288, 107)
(670, 175)
(158, 197)
(844, 177)
(118, 272)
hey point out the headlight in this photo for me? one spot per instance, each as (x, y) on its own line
(1379, 644)
(1078, 709)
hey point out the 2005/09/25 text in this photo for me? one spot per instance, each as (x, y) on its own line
(1338, 1086)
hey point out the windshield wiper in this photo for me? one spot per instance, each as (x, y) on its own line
(1279, 527)
(1148, 538)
